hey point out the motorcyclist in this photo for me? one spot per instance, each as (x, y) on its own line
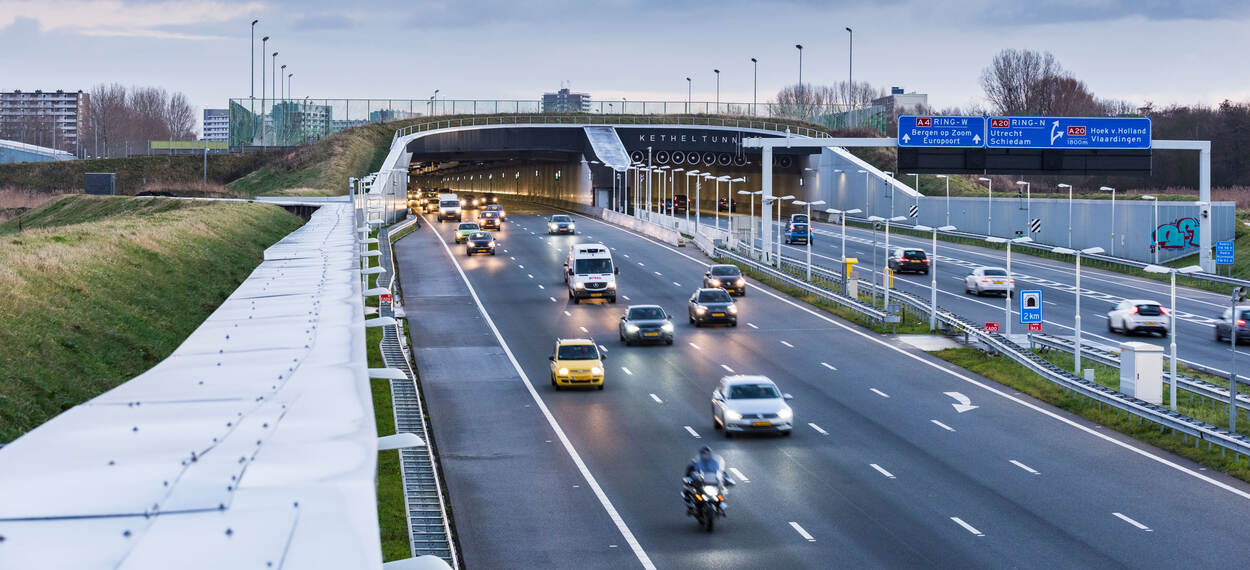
(705, 462)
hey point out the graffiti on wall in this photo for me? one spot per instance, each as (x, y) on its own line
(1176, 235)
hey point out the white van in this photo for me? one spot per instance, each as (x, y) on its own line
(590, 273)
(448, 207)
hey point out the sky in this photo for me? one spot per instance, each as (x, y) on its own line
(1182, 52)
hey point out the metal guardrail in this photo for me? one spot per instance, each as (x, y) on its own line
(736, 123)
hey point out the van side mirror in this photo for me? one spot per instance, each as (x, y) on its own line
(552, 358)
(787, 397)
(707, 274)
(616, 270)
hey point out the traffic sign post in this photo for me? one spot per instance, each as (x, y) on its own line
(941, 132)
(1031, 307)
(1069, 132)
(1035, 327)
(991, 327)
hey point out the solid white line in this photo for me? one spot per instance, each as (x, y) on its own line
(942, 425)
(657, 399)
(553, 299)
(881, 470)
(613, 514)
(879, 393)
(801, 532)
(1053, 415)
(1140, 526)
(1024, 467)
(827, 365)
(787, 344)
(967, 526)
(752, 325)
(817, 428)
(584, 330)
(739, 475)
(695, 346)
(568, 314)
(727, 369)
(692, 432)
(626, 371)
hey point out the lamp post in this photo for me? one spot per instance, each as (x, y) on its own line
(672, 191)
(1112, 190)
(1028, 205)
(778, 200)
(696, 218)
(717, 72)
(662, 171)
(867, 204)
(688, 92)
(252, 62)
(948, 197)
(755, 85)
(751, 198)
(850, 67)
(1154, 238)
(1077, 327)
(842, 214)
(1172, 325)
(1069, 187)
(989, 211)
(715, 206)
(809, 231)
(719, 179)
(698, 185)
(884, 285)
(800, 48)
(933, 273)
(1011, 282)
(263, 41)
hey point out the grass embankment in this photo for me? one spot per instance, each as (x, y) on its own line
(1013, 375)
(322, 168)
(110, 286)
(175, 174)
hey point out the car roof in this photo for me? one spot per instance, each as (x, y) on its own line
(465, 225)
(715, 265)
(710, 290)
(574, 341)
(746, 379)
(984, 267)
(1143, 302)
(632, 307)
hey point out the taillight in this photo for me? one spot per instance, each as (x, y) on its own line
(1241, 322)
(1133, 310)
(1165, 311)
(984, 280)
(1011, 280)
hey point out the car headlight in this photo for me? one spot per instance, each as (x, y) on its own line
(786, 413)
(700, 309)
(572, 226)
(732, 416)
(710, 490)
(612, 284)
(578, 285)
(714, 282)
(596, 371)
(741, 282)
(492, 244)
(667, 327)
(631, 328)
(733, 309)
(563, 371)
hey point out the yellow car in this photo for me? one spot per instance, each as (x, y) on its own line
(576, 362)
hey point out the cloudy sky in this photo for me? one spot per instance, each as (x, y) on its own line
(1141, 50)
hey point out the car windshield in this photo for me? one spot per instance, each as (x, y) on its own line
(1149, 310)
(914, 254)
(578, 352)
(561, 219)
(480, 236)
(449, 203)
(469, 226)
(717, 296)
(752, 392)
(489, 214)
(587, 266)
(994, 273)
(646, 314)
(800, 217)
(725, 270)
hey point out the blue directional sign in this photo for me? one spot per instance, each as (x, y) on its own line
(941, 132)
(1068, 132)
(1224, 252)
(1030, 306)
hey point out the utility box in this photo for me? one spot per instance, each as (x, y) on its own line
(100, 183)
(1141, 371)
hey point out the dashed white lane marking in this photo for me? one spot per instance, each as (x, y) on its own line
(677, 284)
(1050, 302)
(658, 273)
(657, 399)
(881, 470)
(568, 314)
(1139, 526)
(827, 365)
(553, 299)
(626, 297)
(521, 266)
(530, 275)
(627, 255)
(817, 428)
(693, 433)
(752, 325)
(739, 475)
(641, 264)
(626, 371)
(787, 344)
(693, 345)
(967, 526)
(727, 369)
(802, 533)
(583, 329)
(603, 348)
(942, 425)
(541, 287)
(1024, 467)
(879, 393)
(510, 257)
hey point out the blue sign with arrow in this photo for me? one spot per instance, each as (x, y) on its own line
(1069, 132)
(941, 132)
(1030, 306)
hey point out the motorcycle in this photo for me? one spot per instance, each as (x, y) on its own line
(704, 494)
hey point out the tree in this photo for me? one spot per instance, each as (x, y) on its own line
(1019, 82)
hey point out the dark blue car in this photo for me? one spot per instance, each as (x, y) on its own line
(798, 233)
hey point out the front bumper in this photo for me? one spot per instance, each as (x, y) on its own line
(711, 317)
(480, 249)
(490, 225)
(579, 380)
(645, 335)
(594, 293)
(559, 230)
(758, 426)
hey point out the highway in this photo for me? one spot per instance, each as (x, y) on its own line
(882, 470)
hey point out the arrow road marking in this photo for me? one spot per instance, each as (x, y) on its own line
(1140, 526)
(603, 348)
(1024, 467)
(942, 425)
(964, 404)
(739, 475)
(967, 526)
(881, 470)
(752, 325)
(801, 532)
(879, 393)
(692, 432)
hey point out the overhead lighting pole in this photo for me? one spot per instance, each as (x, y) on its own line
(755, 86)
(751, 198)
(689, 91)
(800, 48)
(1154, 238)
(809, 231)
(1172, 358)
(842, 214)
(933, 273)
(1028, 205)
(717, 72)
(252, 66)
(884, 285)
(1069, 187)
(850, 69)
(1011, 282)
(1077, 327)
(262, 92)
(1112, 190)
(989, 210)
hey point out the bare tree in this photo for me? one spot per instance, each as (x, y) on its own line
(1018, 82)
(180, 117)
(107, 113)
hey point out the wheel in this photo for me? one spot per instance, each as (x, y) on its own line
(492, 252)
(697, 323)
(787, 433)
(733, 324)
(599, 386)
(1163, 334)
(1218, 336)
(691, 317)
(612, 299)
(743, 293)
(1110, 328)
(576, 300)
(728, 434)
(553, 382)
(669, 342)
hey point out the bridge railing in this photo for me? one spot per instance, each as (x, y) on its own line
(697, 120)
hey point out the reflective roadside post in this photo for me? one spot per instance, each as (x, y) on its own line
(1011, 281)
(809, 231)
(885, 287)
(933, 273)
(1077, 328)
(1112, 190)
(1172, 324)
(1154, 238)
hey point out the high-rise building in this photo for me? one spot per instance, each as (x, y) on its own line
(293, 122)
(565, 101)
(51, 119)
(216, 125)
(383, 115)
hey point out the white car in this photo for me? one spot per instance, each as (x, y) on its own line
(1138, 315)
(984, 280)
(750, 404)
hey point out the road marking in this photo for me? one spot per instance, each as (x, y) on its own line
(1140, 526)
(530, 275)
(657, 399)
(584, 330)
(801, 532)
(817, 428)
(658, 273)
(603, 348)
(942, 425)
(696, 347)
(827, 365)
(641, 264)
(568, 314)
(787, 344)
(752, 325)
(521, 266)
(510, 257)
(967, 526)
(677, 284)
(964, 404)
(1024, 467)
(692, 432)
(541, 287)
(727, 369)
(626, 255)
(1050, 303)
(881, 470)
(626, 371)
(626, 297)
(879, 393)
(553, 299)
(739, 475)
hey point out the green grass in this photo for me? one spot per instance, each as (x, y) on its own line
(1016, 376)
(392, 507)
(132, 174)
(110, 287)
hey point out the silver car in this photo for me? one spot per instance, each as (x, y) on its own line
(984, 280)
(744, 403)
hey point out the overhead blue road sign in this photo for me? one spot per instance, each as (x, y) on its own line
(941, 132)
(1030, 306)
(1068, 132)
(1224, 252)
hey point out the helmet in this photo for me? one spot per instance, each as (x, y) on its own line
(705, 451)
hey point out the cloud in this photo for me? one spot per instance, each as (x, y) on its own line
(1063, 11)
(118, 18)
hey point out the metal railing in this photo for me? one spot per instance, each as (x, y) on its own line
(795, 128)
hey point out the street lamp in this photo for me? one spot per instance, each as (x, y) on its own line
(867, 205)
(1028, 205)
(884, 285)
(252, 62)
(262, 92)
(1069, 187)
(751, 198)
(1078, 253)
(1112, 190)
(1154, 238)
(809, 231)
(672, 192)
(755, 85)
(850, 68)
(800, 48)
(1011, 281)
(1172, 326)
(933, 272)
(842, 214)
(778, 199)
(696, 217)
(948, 197)
(688, 92)
(989, 213)
(717, 72)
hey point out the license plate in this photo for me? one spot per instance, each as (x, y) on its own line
(650, 334)
(596, 294)
(1152, 324)
(998, 282)
(761, 424)
(718, 314)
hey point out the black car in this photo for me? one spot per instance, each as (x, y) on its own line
(479, 242)
(488, 219)
(727, 277)
(470, 202)
(676, 205)
(713, 306)
(489, 198)
(726, 204)
(904, 259)
(645, 323)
